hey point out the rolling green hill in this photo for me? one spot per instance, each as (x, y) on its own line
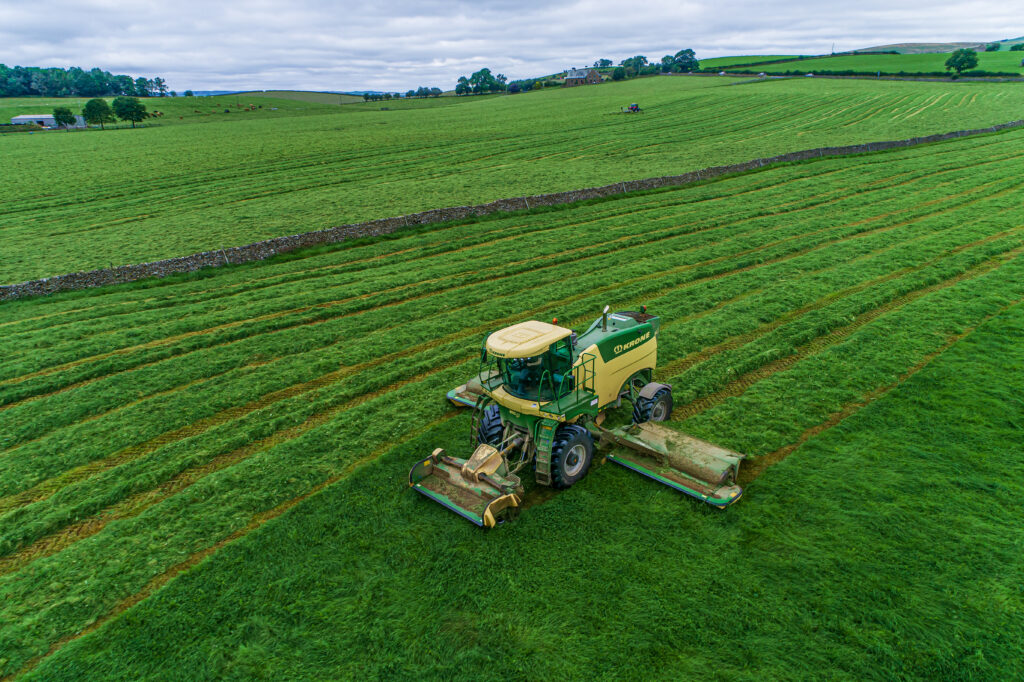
(896, 63)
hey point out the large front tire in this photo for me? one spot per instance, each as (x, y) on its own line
(491, 430)
(657, 408)
(571, 454)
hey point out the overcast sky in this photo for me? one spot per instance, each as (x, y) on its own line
(401, 44)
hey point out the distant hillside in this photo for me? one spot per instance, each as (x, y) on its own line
(922, 48)
(308, 96)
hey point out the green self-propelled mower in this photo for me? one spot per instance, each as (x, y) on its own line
(541, 396)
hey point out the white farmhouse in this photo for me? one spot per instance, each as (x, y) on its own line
(45, 120)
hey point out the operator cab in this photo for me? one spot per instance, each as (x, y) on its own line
(534, 360)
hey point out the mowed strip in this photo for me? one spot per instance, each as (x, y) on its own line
(257, 179)
(747, 274)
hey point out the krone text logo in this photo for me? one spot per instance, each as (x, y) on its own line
(626, 346)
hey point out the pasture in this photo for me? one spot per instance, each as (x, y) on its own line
(128, 196)
(849, 323)
(1002, 61)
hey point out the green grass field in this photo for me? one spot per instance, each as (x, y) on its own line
(850, 323)
(127, 196)
(307, 96)
(718, 62)
(1003, 60)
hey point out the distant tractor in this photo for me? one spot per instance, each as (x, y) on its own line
(632, 109)
(540, 399)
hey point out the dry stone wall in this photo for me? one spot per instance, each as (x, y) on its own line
(270, 247)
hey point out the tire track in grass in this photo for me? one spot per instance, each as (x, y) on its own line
(195, 558)
(739, 385)
(754, 468)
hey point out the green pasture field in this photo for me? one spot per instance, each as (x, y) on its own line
(175, 109)
(307, 96)
(895, 63)
(136, 195)
(718, 62)
(851, 324)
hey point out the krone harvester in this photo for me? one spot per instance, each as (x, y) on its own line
(540, 398)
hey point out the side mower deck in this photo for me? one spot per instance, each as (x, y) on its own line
(690, 465)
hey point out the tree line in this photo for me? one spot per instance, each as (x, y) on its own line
(27, 81)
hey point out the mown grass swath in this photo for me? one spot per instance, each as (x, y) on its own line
(178, 189)
(845, 563)
(143, 425)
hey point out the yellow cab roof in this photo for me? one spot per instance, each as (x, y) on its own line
(525, 340)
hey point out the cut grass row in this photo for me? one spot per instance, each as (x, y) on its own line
(868, 553)
(180, 471)
(206, 397)
(198, 187)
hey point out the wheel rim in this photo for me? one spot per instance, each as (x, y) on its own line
(575, 459)
(659, 411)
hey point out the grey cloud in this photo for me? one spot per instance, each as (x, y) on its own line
(400, 44)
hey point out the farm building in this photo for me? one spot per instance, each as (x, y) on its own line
(45, 120)
(581, 77)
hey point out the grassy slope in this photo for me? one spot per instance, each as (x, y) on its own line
(176, 189)
(894, 63)
(887, 547)
(715, 62)
(308, 96)
(176, 110)
(144, 425)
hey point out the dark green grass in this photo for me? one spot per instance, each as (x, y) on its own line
(885, 548)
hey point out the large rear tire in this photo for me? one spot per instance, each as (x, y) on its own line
(491, 430)
(657, 408)
(571, 454)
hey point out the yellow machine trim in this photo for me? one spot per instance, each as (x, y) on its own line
(525, 340)
(610, 376)
(521, 405)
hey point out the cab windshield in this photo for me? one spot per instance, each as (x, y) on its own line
(542, 377)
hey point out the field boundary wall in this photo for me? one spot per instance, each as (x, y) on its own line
(270, 247)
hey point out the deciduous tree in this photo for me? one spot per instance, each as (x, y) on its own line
(98, 111)
(130, 109)
(64, 117)
(962, 60)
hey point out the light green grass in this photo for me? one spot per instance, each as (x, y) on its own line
(130, 196)
(869, 553)
(142, 425)
(718, 62)
(895, 63)
(307, 96)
